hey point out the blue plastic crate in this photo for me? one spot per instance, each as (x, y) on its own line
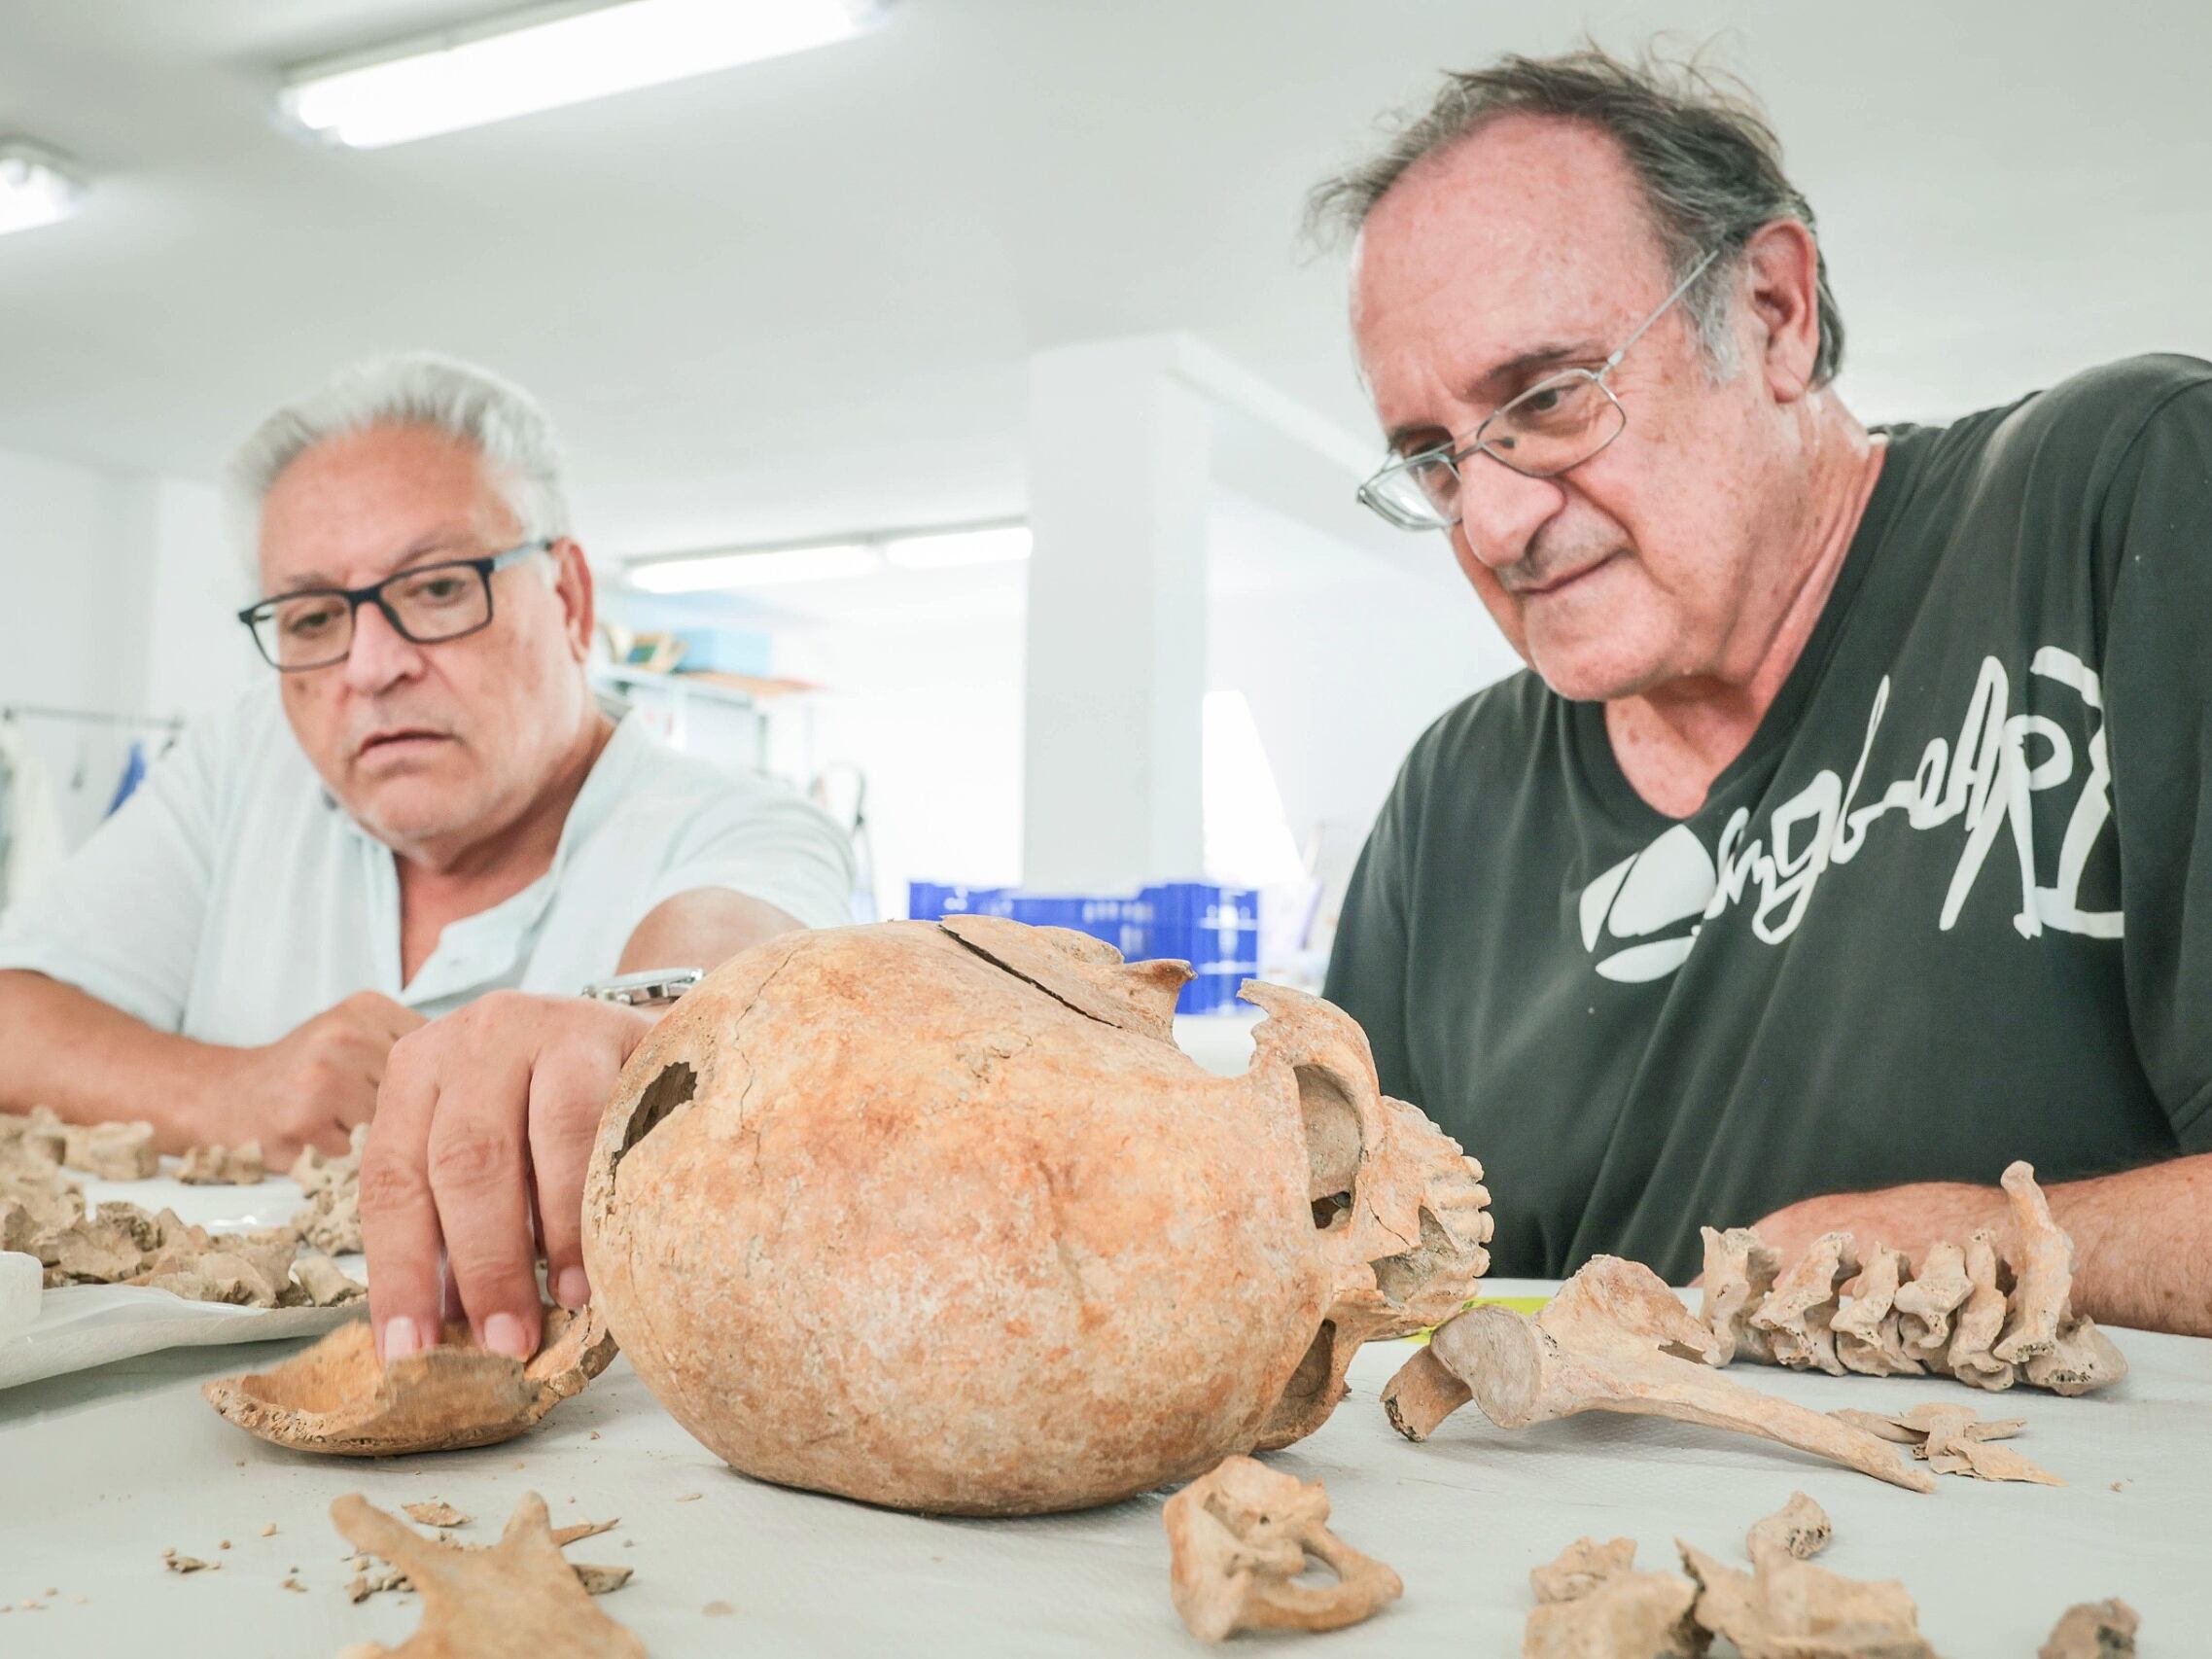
(933, 901)
(1118, 922)
(1216, 928)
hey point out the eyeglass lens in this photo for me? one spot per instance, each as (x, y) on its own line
(312, 630)
(1552, 427)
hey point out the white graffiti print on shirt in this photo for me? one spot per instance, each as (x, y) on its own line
(1984, 780)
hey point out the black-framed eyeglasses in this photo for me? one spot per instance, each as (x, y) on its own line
(1552, 428)
(426, 604)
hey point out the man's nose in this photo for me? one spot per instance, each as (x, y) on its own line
(1500, 509)
(381, 655)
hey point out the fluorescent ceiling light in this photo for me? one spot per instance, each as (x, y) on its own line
(1001, 543)
(700, 571)
(35, 188)
(550, 56)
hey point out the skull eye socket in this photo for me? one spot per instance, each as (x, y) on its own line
(1332, 1144)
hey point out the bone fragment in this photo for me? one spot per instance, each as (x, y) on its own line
(220, 1166)
(38, 1140)
(1965, 1313)
(1868, 1338)
(1581, 1568)
(1799, 1529)
(337, 1397)
(1969, 1357)
(1788, 1609)
(566, 1535)
(1591, 1603)
(1601, 1345)
(1239, 1538)
(1952, 1442)
(331, 1220)
(2084, 1358)
(112, 1152)
(1797, 1312)
(1740, 1271)
(2044, 1271)
(2094, 1630)
(516, 1599)
(324, 1282)
(1926, 1303)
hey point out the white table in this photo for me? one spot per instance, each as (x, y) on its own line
(101, 1471)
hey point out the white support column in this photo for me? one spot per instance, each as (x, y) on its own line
(1119, 454)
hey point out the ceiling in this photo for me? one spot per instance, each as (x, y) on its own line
(796, 298)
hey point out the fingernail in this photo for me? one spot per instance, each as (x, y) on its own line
(400, 1338)
(503, 1334)
(573, 1287)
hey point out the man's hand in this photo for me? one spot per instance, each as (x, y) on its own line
(486, 1118)
(1908, 1218)
(2142, 1239)
(311, 1086)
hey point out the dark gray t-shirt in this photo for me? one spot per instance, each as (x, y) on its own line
(1951, 907)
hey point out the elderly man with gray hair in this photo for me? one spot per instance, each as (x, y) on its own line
(1850, 832)
(375, 886)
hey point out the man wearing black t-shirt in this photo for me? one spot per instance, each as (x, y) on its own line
(1847, 837)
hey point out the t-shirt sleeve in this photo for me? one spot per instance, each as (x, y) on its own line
(1367, 964)
(760, 840)
(120, 917)
(2158, 691)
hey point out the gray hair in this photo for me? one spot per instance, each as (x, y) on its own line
(496, 418)
(1698, 142)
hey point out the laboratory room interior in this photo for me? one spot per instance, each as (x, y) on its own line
(1638, 560)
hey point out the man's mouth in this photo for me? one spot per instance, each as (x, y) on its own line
(1553, 584)
(398, 740)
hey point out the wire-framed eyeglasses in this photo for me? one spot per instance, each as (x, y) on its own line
(1552, 427)
(426, 604)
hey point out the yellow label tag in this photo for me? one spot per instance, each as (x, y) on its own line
(1519, 1304)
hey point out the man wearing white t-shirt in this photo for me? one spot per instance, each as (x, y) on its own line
(386, 911)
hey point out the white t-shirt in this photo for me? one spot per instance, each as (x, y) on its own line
(231, 899)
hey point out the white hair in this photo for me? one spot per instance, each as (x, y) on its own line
(473, 406)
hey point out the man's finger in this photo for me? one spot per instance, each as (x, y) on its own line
(569, 1091)
(399, 1212)
(480, 1176)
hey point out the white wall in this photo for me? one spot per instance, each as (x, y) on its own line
(1342, 657)
(1345, 660)
(74, 544)
(116, 601)
(931, 710)
(199, 656)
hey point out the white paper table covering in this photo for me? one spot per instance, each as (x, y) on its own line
(103, 1470)
(83, 1325)
(20, 1277)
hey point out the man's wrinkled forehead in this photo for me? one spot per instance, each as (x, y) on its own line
(355, 507)
(1514, 247)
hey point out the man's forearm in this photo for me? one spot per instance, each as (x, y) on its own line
(2142, 1239)
(92, 1062)
(703, 928)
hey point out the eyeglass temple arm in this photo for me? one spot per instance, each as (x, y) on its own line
(1664, 305)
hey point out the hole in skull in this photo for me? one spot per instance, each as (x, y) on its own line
(1332, 1136)
(1331, 1211)
(671, 1088)
(1312, 1376)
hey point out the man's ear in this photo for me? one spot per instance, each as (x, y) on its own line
(1781, 266)
(572, 583)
